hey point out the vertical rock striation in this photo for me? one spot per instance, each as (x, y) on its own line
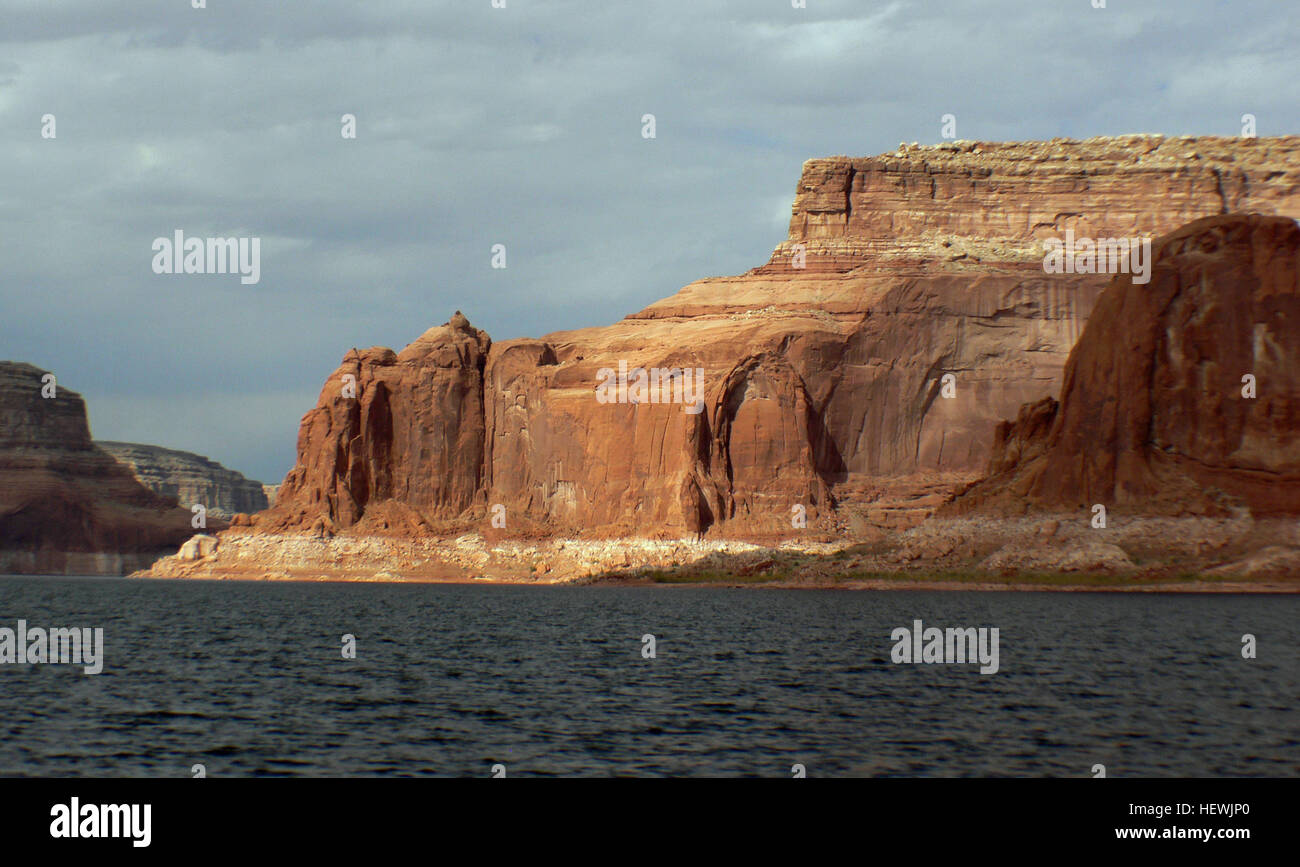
(404, 428)
(1181, 397)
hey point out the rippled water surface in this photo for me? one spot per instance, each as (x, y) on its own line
(248, 679)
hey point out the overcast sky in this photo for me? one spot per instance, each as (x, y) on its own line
(519, 126)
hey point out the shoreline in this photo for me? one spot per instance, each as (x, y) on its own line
(900, 584)
(1033, 554)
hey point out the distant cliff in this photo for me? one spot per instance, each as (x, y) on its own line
(67, 507)
(189, 478)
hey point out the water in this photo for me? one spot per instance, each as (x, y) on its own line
(248, 679)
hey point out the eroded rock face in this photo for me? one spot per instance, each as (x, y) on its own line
(189, 478)
(405, 427)
(560, 456)
(1155, 415)
(822, 386)
(66, 506)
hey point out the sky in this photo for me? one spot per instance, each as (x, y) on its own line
(520, 126)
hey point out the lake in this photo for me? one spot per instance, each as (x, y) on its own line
(249, 679)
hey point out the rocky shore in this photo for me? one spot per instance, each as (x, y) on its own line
(1050, 552)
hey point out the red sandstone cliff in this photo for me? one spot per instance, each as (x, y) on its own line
(66, 506)
(1154, 415)
(821, 385)
(406, 429)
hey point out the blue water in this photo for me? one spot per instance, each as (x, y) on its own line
(248, 679)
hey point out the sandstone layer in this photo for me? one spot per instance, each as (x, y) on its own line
(66, 506)
(823, 386)
(1181, 397)
(189, 479)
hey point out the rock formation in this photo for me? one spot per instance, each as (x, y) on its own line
(66, 506)
(189, 479)
(823, 371)
(1181, 397)
(402, 428)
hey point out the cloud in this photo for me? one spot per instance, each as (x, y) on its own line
(479, 126)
